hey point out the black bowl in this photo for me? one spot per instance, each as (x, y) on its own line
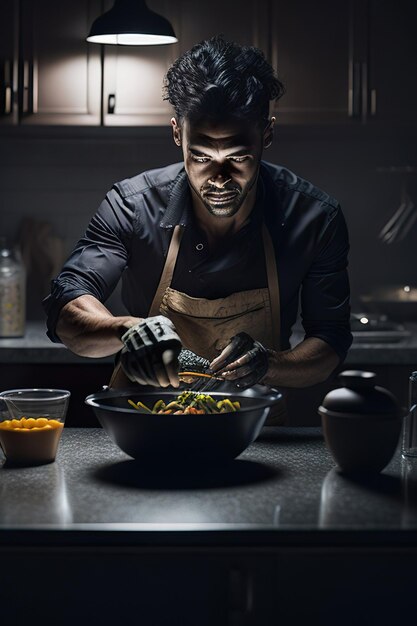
(182, 438)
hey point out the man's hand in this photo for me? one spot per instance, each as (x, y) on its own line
(150, 352)
(243, 360)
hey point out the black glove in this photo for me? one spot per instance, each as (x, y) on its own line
(150, 352)
(243, 360)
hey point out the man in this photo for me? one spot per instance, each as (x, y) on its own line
(214, 252)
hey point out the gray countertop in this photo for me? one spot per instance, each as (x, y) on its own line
(36, 347)
(279, 535)
(285, 483)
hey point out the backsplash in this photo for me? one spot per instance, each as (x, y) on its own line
(60, 175)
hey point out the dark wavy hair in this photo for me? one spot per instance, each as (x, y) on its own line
(218, 79)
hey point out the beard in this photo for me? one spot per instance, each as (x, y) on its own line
(225, 201)
(222, 203)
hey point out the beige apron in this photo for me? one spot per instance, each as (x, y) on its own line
(206, 326)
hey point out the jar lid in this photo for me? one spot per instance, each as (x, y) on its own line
(358, 396)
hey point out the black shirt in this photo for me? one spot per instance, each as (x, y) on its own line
(129, 236)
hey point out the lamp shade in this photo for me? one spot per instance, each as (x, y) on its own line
(131, 23)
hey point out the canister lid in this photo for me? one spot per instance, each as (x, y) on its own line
(359, 396)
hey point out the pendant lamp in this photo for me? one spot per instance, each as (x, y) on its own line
(131, 23)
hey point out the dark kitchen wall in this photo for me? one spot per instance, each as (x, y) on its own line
(60, 175)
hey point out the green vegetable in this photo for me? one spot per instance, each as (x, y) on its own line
(191, 399)
(173, 405)
(229, 404)
(140, 405)
(158, 406)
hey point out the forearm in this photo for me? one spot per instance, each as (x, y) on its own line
(310, 362)
(88, 328)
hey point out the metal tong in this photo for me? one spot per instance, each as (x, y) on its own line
(203, 382)
(401, 222)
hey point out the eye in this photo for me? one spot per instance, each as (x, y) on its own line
(199, 159)
(240, 159)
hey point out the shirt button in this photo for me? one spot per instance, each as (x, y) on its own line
(199, 246)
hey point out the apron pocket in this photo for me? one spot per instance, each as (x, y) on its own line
(208, 335)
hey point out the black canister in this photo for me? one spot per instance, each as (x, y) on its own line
(361, 422)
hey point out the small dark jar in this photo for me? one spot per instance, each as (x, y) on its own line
(361, 423)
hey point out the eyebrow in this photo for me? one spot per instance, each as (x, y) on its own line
(240, 152)
(240, 139)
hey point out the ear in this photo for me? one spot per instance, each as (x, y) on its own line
(269, 133)
(176, 131)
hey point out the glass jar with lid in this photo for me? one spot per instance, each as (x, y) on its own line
(12, 292)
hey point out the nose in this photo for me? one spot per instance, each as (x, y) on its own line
(220, 180)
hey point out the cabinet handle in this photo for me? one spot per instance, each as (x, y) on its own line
(373, 102)
(7, 100)
(364, 87)
(7, 88)
(111, 103)
(25, 95)
(354, 101)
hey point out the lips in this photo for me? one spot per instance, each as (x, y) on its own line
(221, 197)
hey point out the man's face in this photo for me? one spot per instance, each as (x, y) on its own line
(221, 161)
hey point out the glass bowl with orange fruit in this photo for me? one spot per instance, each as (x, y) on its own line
(31, 424)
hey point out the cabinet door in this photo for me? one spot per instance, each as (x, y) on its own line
(8, 61)
(133, 76)
(393, 61)
(310, 51)
(59, 71)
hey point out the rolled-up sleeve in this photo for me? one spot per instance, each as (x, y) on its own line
(325, 292)
(97, 261)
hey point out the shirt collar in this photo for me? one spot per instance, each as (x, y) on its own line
(179, 203)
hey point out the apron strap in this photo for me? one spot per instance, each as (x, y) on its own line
(273, 287)
(168, 270)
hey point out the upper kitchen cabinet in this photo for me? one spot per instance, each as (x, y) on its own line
(310, 46)
(133, 76)
(392, 90)
(345, 61)
(59, 72)
(9, 29)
